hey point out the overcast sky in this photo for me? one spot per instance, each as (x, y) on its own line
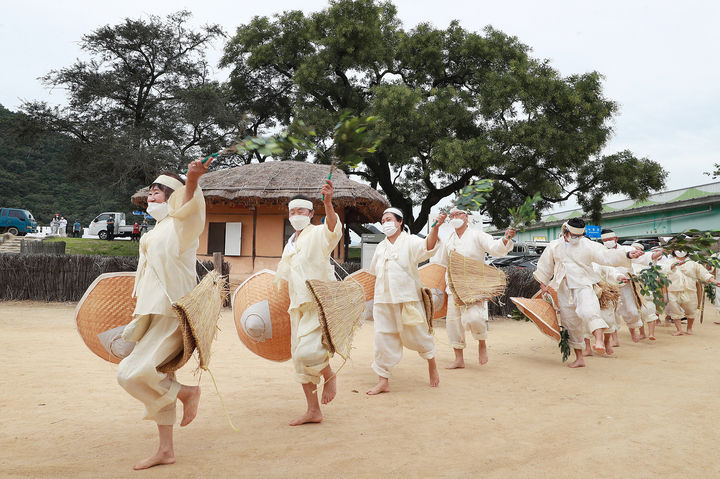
(659, 58)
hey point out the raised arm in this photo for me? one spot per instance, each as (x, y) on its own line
(195, 170)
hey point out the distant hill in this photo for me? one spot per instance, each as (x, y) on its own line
(34, 176)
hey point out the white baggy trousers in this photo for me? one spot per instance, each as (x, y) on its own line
(398, 325)
(309, 355)
(461, 318)
(579, 312)
(139, 376)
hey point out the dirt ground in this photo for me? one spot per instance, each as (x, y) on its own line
(648, 412)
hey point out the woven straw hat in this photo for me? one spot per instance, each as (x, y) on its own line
(472, 281)
(261, 316)
(367, 281)
(541, 313)
(432, 276)
(341, 308)
(106, 304)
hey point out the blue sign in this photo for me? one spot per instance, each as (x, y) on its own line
(592, 231)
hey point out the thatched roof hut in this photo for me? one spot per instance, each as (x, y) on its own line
(275, 182)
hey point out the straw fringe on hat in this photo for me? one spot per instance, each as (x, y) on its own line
(472, 281)
(106, 304)
(432, 276)
(429, 306)
(341, 305)
(541, 313)
(261, 316)
(198, 313)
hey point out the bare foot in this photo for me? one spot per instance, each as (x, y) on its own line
(578, 363)
(609, 349)
(689, 331)
(457, 364)
(587, 352)
(433, 372)
(599, 347)
(635, 335)
(329, 389)
(651, 337)
(190, 399)
(314, 417)
(716, 322)
(641, 337)
(482, 353)
(383, 386)
(160, 458)
(678, 333)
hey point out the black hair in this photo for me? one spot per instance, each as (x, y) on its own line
(576, 222)
(166, 189)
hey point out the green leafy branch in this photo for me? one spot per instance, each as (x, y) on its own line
(525, 214)
(564, 343)
(652, 282)
(471, 197)
(698, 245)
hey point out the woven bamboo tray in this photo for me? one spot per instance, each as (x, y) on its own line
(259, 291)
(541, 313)
(432, 275)
(106, 304)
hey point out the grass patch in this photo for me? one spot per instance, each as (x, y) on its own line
(99, 247)
(354, 253)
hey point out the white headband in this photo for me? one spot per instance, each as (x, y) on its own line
(300, 203)
(605, 236)
(168, 181)
(393, 210)
(574, 229)
(455, 209)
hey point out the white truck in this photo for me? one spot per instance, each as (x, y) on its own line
(98, 226)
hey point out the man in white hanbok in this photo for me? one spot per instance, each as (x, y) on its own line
(307, 256)
(398, 311)
(474, 244)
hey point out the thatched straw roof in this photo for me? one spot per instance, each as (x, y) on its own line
(275, 182)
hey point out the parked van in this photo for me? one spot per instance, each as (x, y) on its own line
(16, 221)
(98, 226)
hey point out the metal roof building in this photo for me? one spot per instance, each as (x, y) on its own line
(661, 214)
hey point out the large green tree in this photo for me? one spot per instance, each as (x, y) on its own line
(143, 101)
(456, 105)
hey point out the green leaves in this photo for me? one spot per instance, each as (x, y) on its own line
(355, 138)
(652, 282)
(518, 316)
(698, 245)
(564, 343)
(473, 196)
(525, 213)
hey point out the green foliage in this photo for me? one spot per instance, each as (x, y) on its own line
(564, 344)
(525, 214)
(473, 196)
(710, 292)
(456, 106)
(518, 316)
(698, 245)
(652, 282)
(88, 246)
(34, 175)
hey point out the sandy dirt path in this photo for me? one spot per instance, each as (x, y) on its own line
(651, 411)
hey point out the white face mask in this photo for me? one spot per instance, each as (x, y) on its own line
(389, 228)
(680, 254)
(158, 210)
(456, 223)
(299, 222)
(574, 240)
(610, 244)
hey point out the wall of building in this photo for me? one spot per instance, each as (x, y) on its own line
(661, 223)
(263, 228)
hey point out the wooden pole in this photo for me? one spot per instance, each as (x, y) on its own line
(217, 262)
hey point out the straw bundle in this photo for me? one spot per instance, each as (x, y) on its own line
(107, 304)
(610, 293)
(341, 305)
(198, 313)
(429, 306)
(471, 281)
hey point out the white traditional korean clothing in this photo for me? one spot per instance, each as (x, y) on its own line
(398, 312)
(166, 267)
(472, 244)
(682, 292)
(567, 268)
(307, 256)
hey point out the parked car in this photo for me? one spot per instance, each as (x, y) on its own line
(646, 242)
(17, 222)
(98, 226)
(528, 261)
